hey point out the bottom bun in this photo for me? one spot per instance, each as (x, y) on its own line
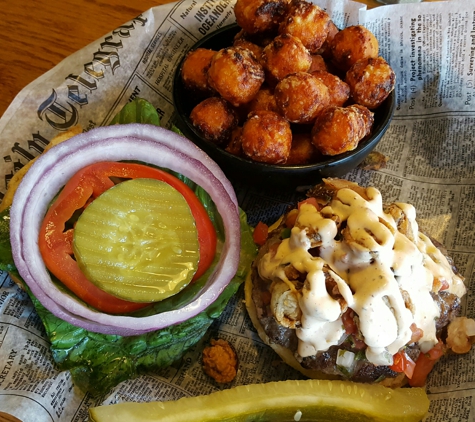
(286, 354)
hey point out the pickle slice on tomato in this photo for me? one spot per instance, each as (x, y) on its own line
(138, 241)
(307, 400)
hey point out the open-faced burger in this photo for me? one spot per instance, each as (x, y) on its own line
(347, 287)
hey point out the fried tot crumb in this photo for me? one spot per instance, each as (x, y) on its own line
(461, 335)
(220, 361)
(374, 161)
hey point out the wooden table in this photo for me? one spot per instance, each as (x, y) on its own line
(38, 34)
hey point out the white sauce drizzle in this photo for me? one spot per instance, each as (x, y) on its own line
(372, 265)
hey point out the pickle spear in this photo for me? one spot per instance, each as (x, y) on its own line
(308, 400)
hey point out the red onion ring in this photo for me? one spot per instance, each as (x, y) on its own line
(146, 143)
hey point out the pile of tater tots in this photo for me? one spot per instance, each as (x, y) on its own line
(292, 88)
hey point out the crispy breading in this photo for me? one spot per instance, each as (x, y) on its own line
(235, 74)
(351, 44)
(308, 22)
(371, 81)
(220, 361)
(215, 119)
(266, 137)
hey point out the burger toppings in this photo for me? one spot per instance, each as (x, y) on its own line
(156, 147)
(424, 364)
(356, 284)
(91, 189)
(124, 243)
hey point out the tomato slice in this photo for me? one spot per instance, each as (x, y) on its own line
(349, 323)
(403, 363)
(425, 363)
(309, 201)
(260, 233)
(291, 218)
(86, 185)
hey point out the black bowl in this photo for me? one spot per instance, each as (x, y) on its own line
(242, 170)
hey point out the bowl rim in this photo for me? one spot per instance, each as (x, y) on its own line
(368, 143)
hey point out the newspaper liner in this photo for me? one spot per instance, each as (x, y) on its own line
(431, 47)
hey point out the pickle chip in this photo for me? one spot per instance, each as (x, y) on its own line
(138, 241)
(308, 400)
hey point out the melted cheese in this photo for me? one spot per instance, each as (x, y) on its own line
(384, 276)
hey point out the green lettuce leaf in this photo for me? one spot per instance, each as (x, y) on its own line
(137, 111)
(98, 362)
(6, 258)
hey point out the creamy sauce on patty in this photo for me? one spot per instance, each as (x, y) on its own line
(385, 276)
